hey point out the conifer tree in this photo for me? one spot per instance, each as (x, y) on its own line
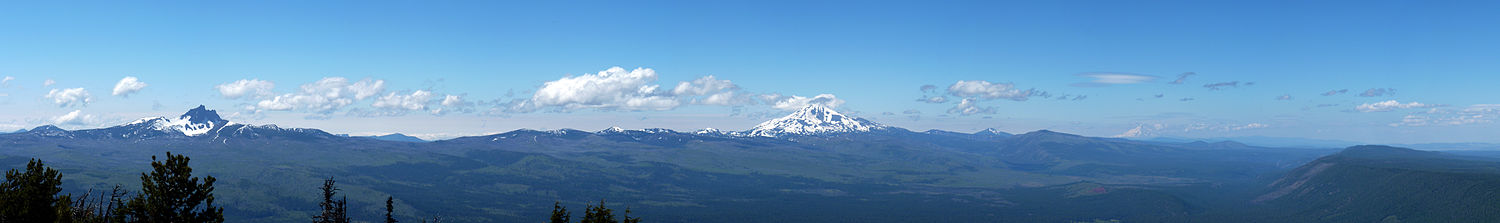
(388, 207)
(333, 211)
(628, 219)
(31, 196)
(560, 214)
(170, 193)
(599, 214)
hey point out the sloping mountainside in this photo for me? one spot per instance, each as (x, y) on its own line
(1386, 184)
(839, 169)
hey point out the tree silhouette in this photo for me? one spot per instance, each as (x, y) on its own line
(30, 196)
(560, 214)
(333, 211)
(170, 193)
(388, 206)
(628, 219)
(599, 214)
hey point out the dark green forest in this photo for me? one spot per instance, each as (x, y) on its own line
(170, 193)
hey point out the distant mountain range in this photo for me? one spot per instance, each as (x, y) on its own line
(851, 169)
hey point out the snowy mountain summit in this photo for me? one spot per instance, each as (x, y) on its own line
(813, 120)
(195, 122)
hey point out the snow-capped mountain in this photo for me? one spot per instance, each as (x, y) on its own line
(1141, 131)
(196, 122)
(199, 122)
(813, 120)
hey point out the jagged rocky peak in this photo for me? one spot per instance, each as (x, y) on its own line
(201, 114)
(812, 120)
(197, 121)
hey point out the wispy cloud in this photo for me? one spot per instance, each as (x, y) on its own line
(5, 82)
(1377, 92)
(1284, 97)
(1391, 105)
(1102, 79)
(934, 99)
(1182, 78)
(1335, 92)
(1223, 126)
(1473, 114)
(1186, 99)
(1222, 85)
(928, 88)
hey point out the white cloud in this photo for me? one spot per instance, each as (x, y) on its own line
(703, 86)
(1390, 105)
(48, 83)
(454, 101)
(713, 90)
(364, 88)
(724, 98)
(799, 102)
(417, 100)
(1284, 97)
(986, 90)
(968, 106)
(70, 97)
(127, 86)
(611, 89)
(6, 81)
(72, 118)
(324, 96)
(255, 88)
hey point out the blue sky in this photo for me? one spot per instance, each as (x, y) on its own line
(871, 58)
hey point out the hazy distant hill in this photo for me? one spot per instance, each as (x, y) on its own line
(396, 137)
(1386, 184)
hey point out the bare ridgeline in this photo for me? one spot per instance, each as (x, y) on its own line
(815, 165)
